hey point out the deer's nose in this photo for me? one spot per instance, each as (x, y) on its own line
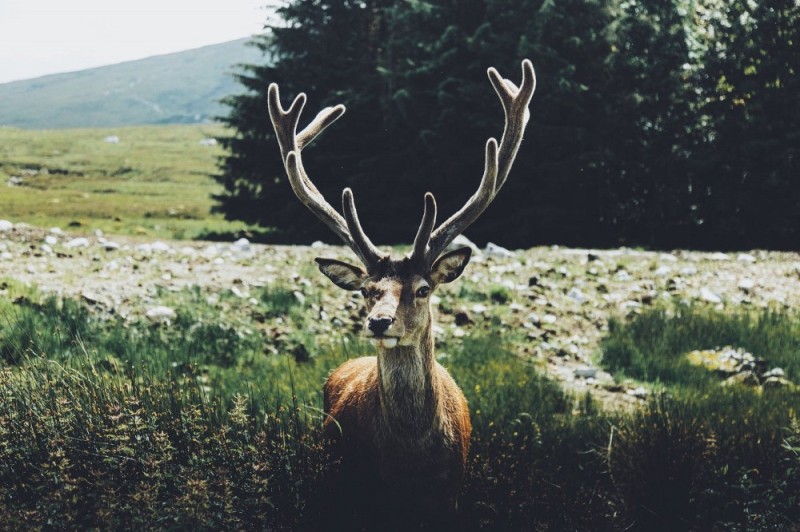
(380, 324)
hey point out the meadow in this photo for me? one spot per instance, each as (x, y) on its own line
(207, 423)
(155, 181)
(211, 419)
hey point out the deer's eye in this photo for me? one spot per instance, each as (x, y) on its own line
(423, 291)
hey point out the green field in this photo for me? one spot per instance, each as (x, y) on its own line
(155, 182)
(212, 421)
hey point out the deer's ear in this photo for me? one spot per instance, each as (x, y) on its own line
(450, 266)
(342, 274)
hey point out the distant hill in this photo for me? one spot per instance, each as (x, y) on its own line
(182, 87)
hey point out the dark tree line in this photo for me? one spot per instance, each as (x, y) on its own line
(666, 123)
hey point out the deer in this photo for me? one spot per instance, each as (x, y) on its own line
(398, 421)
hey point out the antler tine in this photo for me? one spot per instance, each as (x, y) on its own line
(515, 107)
(291, 144)
(515, 103)
(425, 228)
(368, 253)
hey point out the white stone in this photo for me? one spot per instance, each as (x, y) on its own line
(746, 258)
(746, 285)
(707, 295)
(479, 308)
(5, 225)
(160, 314)
(160, 246)
(663, 271)
(493, 250)
(50, 240)
(241, 246)
(46, 248)
(111, 139)
(461, 241)
(56, 231)
(719, 257)
(576, 295)
(318, 244)
(80, 242)
(637, 392)
(586, 372)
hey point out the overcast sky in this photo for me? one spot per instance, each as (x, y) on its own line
(39, 37)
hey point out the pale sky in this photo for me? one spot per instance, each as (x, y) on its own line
(39, 37)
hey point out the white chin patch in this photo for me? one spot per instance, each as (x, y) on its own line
(386, 343)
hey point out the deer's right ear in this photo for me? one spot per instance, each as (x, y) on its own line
(342, 274)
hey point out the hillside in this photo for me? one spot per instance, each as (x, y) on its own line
(183, 87)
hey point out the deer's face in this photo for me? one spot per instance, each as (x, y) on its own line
(397, 295)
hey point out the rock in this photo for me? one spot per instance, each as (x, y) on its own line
(637, 392)
(111, 139)
(301, 354)
(160, 314)
(662, 271)
(299, 296)
(479, 308)
(719, 257)
(550, 319)
(5, 225)
(499, 252)
(576, 295)
(318, 244)
(160, 247)
(774, 372)
(461, 241)
(746, 286)
(241, 246)
(746, 378)
(80, 242)
(56, 231)
(46, 248)
(462, 318)
(776, 382)
(746, 258)
(623, 276)
(108, 245)
(586, 372)
(50, 240)
(707, 295)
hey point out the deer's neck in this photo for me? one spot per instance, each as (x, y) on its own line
(407, 386)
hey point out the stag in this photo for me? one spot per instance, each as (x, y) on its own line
(398, 421)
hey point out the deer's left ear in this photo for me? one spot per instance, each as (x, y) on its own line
(450, 266)
(342, 274)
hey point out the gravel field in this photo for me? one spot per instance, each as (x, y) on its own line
(560, 299)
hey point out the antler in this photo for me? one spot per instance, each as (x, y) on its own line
(291, 144)
(429, 243)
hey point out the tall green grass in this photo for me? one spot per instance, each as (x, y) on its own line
(187, 425)
(703, 454)
(195, 424)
